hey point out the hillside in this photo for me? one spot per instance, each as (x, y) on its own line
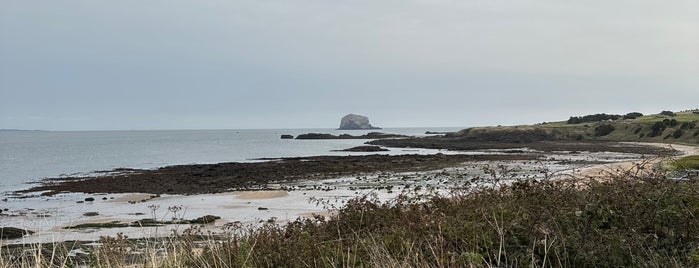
(666, 127)
(680, 128)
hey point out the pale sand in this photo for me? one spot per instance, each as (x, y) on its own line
(638, 167)
(261, 194)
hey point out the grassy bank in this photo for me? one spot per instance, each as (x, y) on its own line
(628, 220)
(681, 127)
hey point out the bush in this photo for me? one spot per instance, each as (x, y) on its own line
(669, 122)
(603, 130)
(678, 133)
(657, 129)
(592, 118)
(633, 115)
(668, 113)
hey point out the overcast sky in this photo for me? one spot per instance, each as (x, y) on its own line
(163, 64)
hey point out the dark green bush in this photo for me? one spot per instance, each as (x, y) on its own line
(668, 113)
(657, 129)
(593, 118)
(633, 115)
(603, 130)
(678, 133)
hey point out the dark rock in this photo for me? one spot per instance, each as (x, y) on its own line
(91, 214)
(365, 148)
(13, 233)
(368, 136)
(80, 202)
(89, 199)
(205, 219)
(262, 208)
(287, 137)
(354, 121)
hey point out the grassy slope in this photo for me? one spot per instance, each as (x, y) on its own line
(624, 129)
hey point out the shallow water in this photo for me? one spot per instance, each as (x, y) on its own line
(31, 155)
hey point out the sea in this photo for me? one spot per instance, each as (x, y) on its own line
(29, 156)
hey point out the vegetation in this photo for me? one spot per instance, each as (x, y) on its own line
(686, 163)
(633, 115)
(593, 118)
(668, 113)
(603, 130)
(629, 219)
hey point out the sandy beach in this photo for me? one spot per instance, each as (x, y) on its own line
(638, 166)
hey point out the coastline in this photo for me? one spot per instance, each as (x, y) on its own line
(287, 200)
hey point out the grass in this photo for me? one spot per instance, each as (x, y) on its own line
(630, 219)
(686, 163)
(638, 129)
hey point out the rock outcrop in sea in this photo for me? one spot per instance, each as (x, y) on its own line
(355, 121)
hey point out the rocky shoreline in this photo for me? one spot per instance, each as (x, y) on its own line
(227, 177)
(234, 176)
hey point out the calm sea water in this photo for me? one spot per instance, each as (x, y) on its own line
(27, 156)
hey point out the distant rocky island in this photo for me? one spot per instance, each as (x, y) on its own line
(355, 122)
(368, 136)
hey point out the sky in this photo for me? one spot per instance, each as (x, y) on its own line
(236, 64)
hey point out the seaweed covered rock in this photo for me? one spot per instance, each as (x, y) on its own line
(205, 219)
(13, 233)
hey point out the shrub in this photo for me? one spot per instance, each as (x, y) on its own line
(678, 133)
(637, 130)
(669, 122)
(603, 130)
(633, 115)
(668, 113)
(657, 129)
(593, 118)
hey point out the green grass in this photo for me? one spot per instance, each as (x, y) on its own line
(632, 130)
(686, 163)
(681, 116)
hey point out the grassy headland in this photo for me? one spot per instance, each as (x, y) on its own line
(682, 127)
